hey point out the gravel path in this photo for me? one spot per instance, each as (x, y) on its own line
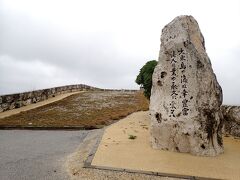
(27, 155)
(52, 155)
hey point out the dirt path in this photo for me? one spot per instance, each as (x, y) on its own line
(33, 106)
(118, 150)
(76, 170)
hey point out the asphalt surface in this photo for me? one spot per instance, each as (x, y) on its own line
(36, 155)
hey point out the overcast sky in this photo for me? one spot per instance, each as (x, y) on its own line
(104, 43)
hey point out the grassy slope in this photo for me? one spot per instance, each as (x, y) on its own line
(88, 109)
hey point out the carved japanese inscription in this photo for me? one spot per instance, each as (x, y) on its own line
(186, 97)
(179, 88)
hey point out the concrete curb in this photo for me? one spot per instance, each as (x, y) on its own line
(46, 128)
(93, 151)
(148, 173)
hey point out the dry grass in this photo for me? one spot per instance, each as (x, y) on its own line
(88, 109)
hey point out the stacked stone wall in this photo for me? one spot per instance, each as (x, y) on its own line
(231, 115)
(17, 100)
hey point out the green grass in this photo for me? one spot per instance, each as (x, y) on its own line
(132, 137)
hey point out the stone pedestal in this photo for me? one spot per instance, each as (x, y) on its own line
(186, 97)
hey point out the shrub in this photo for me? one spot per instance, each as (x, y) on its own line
(144, 78)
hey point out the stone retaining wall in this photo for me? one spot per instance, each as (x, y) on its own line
(12, 101)
(231, 115)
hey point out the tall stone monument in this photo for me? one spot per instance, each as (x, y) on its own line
(186, 97)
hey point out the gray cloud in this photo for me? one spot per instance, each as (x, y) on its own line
(226, 67)
(89, 58)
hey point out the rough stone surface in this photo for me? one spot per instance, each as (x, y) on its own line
(186, 97)
(231, 115)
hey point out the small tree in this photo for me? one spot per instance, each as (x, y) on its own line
(144, 78)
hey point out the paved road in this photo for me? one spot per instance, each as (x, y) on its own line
(36, 155)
